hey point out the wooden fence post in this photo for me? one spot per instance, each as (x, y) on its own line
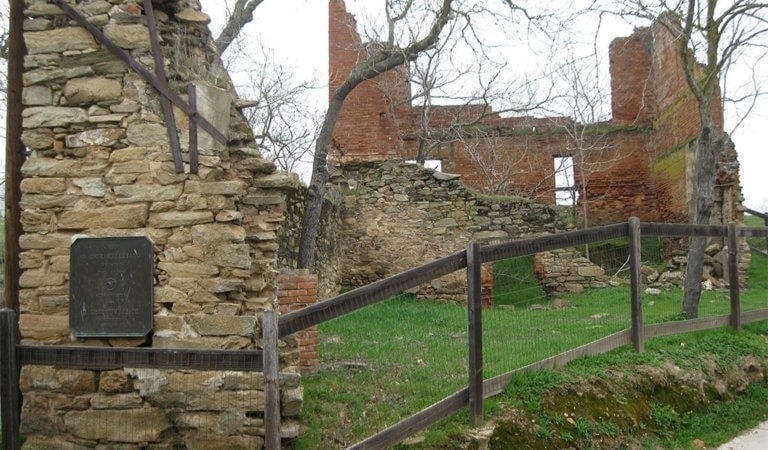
(271, 386)
(475, 318)
(9, 379)
(636, 284)
(733, 276)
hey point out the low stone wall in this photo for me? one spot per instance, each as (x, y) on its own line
(566, 270)
(396, 216)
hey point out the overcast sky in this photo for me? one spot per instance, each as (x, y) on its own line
(297, 30)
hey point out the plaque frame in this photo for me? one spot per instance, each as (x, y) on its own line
(111, 287)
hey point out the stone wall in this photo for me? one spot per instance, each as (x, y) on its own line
(100, 165)
(396, 216)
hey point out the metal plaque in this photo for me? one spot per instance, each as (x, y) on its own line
(110, 289)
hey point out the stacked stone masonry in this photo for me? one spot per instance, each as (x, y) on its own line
(100, 165)
(396, 216)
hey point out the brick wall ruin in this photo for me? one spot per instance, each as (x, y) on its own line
(100, 165)
(638, 168)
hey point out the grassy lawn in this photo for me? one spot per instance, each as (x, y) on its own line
(385, 362)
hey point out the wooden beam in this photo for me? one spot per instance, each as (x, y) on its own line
(14, 154)
(10, 397)
(636, 293)
(109, 358)
(475, 333)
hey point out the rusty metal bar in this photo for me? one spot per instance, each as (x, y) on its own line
(157, 54)
(194, 160)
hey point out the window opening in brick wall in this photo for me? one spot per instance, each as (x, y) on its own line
(565, 182)
(434, 164)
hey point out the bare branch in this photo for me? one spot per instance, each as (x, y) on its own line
(241, 16)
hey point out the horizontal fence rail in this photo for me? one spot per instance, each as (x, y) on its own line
(370, 294)
(108, 358)
(525, 247)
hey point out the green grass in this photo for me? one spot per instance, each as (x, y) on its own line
(515, 282)
(754, 221)
(385, 362)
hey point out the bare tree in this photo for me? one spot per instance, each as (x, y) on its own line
(240, 16)
(458, 101)
(277, 107)
(715, 33)
(383, 56)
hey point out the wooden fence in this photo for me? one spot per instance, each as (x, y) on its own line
(13, 355)
(473, 257)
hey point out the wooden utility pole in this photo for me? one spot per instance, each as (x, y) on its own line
(14, 154)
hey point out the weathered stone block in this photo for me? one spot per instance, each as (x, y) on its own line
(42, 201)
(116, 401)
(50, 167)
(97, 136)
(216, 233)
(131, 425)
(232, 255)
(208, 441)
(173, 219)
(38, 138)
(131, 36)
(49, 378)
(167, 294)
(210, 400)
(36, 220)
(37, 278)
(291, 401)
(44, 241)
(59, 40)
(37, 96)
(92, 187)
(188, 270)
(52, 116)
(43, 185)
(128, 154)
(134, 193)
(232, 187)
(223, 325)
(126, 216)
(84, 91)
(115, 381)
(145, 134)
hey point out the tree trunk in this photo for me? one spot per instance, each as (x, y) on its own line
(708, 146)
(310, 223)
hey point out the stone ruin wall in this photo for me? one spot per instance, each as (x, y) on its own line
(396, 216)
(100, 165)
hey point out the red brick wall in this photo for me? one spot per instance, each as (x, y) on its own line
(297, 289)
(366, 128)
(631, 91)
